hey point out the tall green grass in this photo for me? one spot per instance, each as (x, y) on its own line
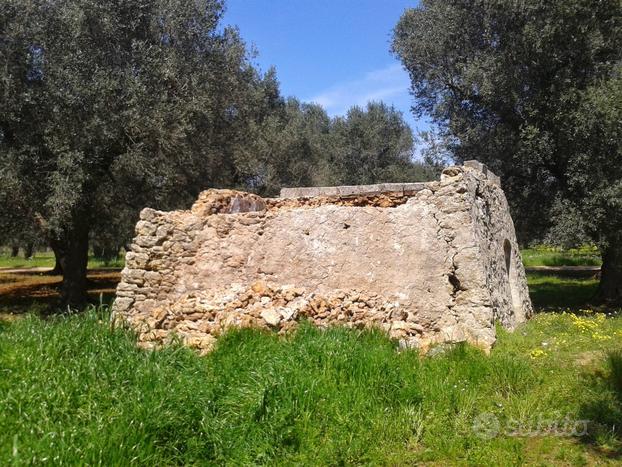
(75, 391)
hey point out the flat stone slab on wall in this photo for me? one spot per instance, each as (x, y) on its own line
(314, 192)
(427, 262)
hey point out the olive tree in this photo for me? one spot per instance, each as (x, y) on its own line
(115, 105)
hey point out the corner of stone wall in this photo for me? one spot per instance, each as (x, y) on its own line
(477, 166)
(164, 249)
(505, 276)
(490, 298)
(470, 314)
(161, 240)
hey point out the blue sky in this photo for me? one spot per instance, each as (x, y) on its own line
(333, 52)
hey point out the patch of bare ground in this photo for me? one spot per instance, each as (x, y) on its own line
(20, 290)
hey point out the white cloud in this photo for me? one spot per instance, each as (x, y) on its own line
(389, 84)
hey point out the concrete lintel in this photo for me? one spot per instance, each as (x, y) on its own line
(353, 190)
(379, 188)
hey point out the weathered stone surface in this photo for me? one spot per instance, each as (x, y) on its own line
(270, 315)
(226, 202)
(428, 263)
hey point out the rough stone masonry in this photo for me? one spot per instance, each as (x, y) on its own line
(427, 262)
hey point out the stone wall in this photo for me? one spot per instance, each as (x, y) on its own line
(427, 262)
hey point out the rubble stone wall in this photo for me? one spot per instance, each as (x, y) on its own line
(427, 262)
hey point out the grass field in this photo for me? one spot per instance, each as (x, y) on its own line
(33, 291)
(46, 259)
(75, 391)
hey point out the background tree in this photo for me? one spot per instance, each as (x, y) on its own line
(288, 147)
(512, 84)
(297, 144)
(371, 145)
(595, 175)
(16, 227)
(435, 152)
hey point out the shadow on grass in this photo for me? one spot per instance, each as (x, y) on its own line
(29, 291)
(550, 292)
(604, 412)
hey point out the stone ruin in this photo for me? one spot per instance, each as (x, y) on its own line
(429, 263)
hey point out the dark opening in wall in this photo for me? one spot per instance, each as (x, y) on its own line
(512, 279)
(507, 249)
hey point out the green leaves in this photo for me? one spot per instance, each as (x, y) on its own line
(507, 81)
(297, 144)
(149, 80)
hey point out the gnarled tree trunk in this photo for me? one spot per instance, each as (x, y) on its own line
(610, 287)
(71, 249)
(58, 269)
